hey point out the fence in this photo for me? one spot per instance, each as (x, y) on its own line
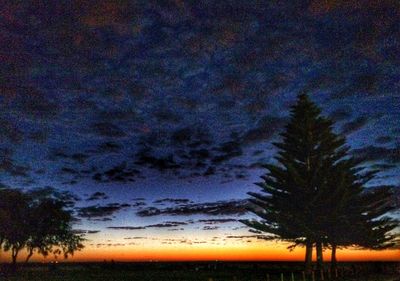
(344, 273)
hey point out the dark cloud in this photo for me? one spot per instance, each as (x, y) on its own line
(172, 200)
(200, 154)
(167, 224)
(383, 139)
(258, 152)
(36, 104)
(241, 237)
(82, 231)
(354, 125)
(71, 171)
(108, 244)
(191, 137)
(97, 196)
(257, 165)
(265, 128)
(118, 115)
(119, 173)
(208, 227)
(210, 171)
(167, 116)
(135, 238)
(138, 204)
(102, 219)
(9, 166)
(79, 157)
(376, 153)
(383, 166)
(227, 151)
(216, 221)
(126, 227)
(341, 114)
(160, 163)
(39, 136)
(107, 129)
(60, 154)
(98, 212)
(255, 231)
(69, 198)
(108, 147)
(232, 207)
(10, 131)
(175, 229)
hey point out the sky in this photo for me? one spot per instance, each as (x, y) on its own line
(157, 115)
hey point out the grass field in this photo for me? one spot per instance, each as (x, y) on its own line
(183, 272)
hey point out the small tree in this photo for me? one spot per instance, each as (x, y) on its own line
(41, 224)
(51, 229)
(14, 206)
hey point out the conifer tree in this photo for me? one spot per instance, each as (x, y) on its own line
(314, 194)
(291, 205)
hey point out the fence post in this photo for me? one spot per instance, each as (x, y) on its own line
(268, 277)
(210, 279)
(313, 275)
(304, 275)
(292, 276)
(322, 274)
(329, 274)
(281, 276)
(336, 273)
(234, 278)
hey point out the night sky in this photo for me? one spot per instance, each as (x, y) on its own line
(157, 115)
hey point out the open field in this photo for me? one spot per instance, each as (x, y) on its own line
(197, 272)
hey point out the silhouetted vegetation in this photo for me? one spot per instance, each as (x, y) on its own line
(315, 194)
(200, 271)
(39, 222)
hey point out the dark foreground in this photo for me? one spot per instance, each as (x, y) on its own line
(204, 271)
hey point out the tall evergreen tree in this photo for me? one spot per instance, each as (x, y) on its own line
(314, 194)
(292, 205)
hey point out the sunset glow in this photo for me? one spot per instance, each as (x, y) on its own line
(256, 251)
(164, 130)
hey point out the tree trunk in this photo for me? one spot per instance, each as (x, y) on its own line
(14, 259)
(1, 245)
(320, 258)
(14, 255)
(333, 258)
(29, 255)
(308, 258)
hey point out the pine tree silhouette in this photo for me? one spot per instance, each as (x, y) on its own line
(315, 195)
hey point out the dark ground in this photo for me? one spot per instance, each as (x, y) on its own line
(202, 271)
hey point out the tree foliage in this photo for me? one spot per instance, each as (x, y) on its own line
(315, 192)
(38, 221)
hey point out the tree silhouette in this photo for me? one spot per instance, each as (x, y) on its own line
(358, 216)
(51, 229)
(14, 227)
(41, 224)
(314, 194)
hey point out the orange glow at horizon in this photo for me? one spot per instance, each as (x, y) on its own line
(277, 252)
